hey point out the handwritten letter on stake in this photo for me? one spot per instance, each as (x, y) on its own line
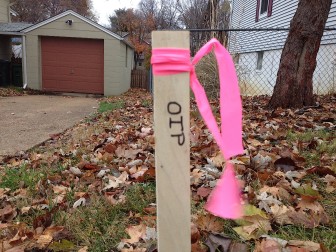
(172, 147)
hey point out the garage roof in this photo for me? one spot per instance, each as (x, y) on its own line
(13, 28)
(84, 19)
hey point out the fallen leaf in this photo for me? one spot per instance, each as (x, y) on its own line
(110, 148)
(203, 192)
(281, 214)
(214, 242)
(75, 171)
(209, 223)
(80, 202)
(7, 213)
(135, 233)
(195, 176)
(237, 246)
(44, 220)
(321, 171)
(44, 240)
(253, 224)
(196, 247)
(124, 153)
(267, 245)
(84, 249)
(195, 234)
(308, 193)
(308, 245)
(331, 183)
(150, 234)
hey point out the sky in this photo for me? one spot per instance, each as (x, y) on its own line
(105, 8)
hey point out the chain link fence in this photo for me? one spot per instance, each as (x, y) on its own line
(257, 53)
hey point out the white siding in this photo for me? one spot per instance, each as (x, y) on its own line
(4, 11)
(244, 15)
(259, 82)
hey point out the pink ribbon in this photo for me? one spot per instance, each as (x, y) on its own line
(167, 61)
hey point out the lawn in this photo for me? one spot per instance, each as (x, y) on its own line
(92, 188)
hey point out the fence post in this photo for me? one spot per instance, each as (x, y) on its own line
(172, 150)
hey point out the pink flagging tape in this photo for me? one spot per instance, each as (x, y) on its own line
(225, 200)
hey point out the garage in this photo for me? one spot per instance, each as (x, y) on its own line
(72, 65)
(70, 53)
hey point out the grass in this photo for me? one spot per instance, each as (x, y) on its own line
(327, 144)
(146, 103)
(21, 177)
(110, 106)
(101, 226)
(324, 234)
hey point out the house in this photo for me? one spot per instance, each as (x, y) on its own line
(257, 52)
(70, 53)
(8, 32)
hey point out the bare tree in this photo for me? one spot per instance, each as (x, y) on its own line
(164, 13)
(294, 84)
(34, 11)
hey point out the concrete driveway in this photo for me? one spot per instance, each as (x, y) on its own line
(26, 121)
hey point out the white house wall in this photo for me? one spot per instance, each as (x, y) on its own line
(261, 82)
(244, 15)
(258, 82)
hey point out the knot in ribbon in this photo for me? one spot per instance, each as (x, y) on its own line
(167, 61)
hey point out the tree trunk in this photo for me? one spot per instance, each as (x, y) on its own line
(294, 84)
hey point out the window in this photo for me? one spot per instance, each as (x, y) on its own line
(264, 9)
(260, 57)
(236, 58)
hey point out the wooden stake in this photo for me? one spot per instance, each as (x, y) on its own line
(172, 150)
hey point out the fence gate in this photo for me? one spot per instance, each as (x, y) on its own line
(139, 79)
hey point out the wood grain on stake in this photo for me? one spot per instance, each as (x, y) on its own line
(172, 148)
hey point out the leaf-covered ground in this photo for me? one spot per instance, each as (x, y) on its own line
(92, 188)
(17, 91)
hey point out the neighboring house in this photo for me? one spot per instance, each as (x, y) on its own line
(139, 57)
(8, 32)
(257, 53)
(70, 53)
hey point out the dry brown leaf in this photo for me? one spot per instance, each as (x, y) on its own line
(60, 189)
(203, 192)
(281, 214)
(308, 219)
(195, 234)
(195, 176)
(110, 148)
(7, 213)
(209, 223)
(84, 249)
(331, 183)
(267, 245)
(126, 153)
(44, 240)
(135, 232)
(308, 245)
(198, 247)
(218, 160)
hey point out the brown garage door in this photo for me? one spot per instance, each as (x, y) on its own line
(72, 65)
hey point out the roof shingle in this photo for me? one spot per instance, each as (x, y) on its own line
(13, 27)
